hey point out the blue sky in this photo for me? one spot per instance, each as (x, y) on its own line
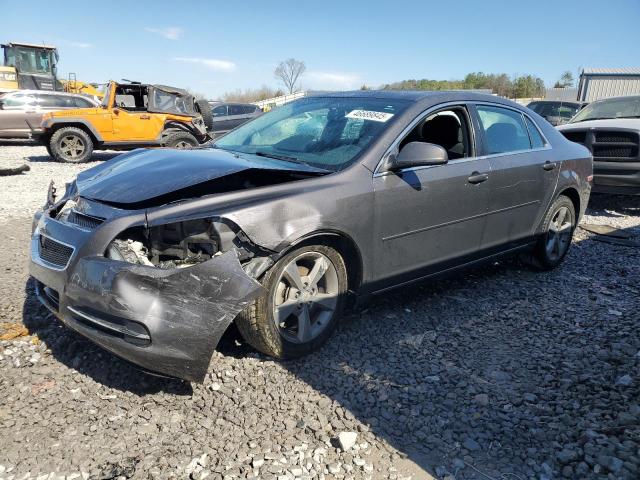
(213, 47)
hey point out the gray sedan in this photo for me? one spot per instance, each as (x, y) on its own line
(21, 111)
(290, 216)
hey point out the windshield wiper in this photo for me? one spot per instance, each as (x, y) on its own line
(278, 157)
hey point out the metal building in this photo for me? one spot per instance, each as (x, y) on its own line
(561, 94)
(597, 83)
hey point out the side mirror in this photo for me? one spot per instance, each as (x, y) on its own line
(419, 154)
(1, 105)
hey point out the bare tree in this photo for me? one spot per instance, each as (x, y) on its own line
(566, 80)
(289, 72)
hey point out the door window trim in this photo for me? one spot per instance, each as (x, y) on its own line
(547, 144)
(464, 105)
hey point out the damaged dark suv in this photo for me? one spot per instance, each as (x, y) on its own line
(154, 253)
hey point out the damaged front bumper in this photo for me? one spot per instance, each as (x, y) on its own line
(167, 321)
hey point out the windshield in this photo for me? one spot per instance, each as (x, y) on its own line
(327, 133)
(30, 60)
(621, 107)
(554, 109)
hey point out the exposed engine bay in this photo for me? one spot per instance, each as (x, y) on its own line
(182, 244)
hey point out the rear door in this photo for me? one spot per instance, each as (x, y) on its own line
(18, 115)
(238, 114)
(523, 174)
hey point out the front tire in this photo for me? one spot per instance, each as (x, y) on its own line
(70, 145)
(304, 297)
(180, 140)
(556, 234)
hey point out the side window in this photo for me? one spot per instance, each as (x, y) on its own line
(504, 129)
(19, 101)
(82, 102)
(220, 111)
(55, 101)
(447, 128)
(236, 109)
(248, 109)
(534, 134)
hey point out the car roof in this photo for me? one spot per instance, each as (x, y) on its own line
(423, 96)
(220, 102)
(49, 92)
(575, 102)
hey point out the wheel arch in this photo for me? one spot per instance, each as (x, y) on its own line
(574, 196)
(343, 244)
(81, 125)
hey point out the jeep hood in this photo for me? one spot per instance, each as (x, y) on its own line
(151, 177)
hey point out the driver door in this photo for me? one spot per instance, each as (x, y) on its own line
(131, 120)
(430, 218)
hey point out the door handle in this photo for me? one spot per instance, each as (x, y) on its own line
(548, 165)
(145, 117)
(477, 177)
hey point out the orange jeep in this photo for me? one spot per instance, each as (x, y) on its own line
(131, 115)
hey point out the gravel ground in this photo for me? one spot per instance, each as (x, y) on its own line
(499, 373)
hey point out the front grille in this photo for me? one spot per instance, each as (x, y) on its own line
(84, 221)
(608, 145)
(579, 137)
(54, 253)
(605, 151)
(616, 137)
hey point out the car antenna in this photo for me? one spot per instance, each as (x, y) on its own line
(131, 81)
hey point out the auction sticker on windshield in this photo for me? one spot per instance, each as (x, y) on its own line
(369, 115)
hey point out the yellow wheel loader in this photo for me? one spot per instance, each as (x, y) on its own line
(34, 67)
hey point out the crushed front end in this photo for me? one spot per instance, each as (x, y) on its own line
(160, 297)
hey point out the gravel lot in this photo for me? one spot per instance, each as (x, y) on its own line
(500, 373)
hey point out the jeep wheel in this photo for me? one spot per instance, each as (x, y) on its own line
(204, 109)
(71, 145)
(180, 140)
(303, 299)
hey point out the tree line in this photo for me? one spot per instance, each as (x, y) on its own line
(290, 71)
(523, 86)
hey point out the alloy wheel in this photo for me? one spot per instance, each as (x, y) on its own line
(182, 145)
(72, 146)
(305, 297)
(559, 234)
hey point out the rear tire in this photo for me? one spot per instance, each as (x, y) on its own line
(70, 145)
(180, 140)
(287, 322)
(555, 235)
(204, 109)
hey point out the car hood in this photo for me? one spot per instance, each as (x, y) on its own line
(630, 123)
(143, 175)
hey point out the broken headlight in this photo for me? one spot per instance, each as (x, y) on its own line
(177, 244)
